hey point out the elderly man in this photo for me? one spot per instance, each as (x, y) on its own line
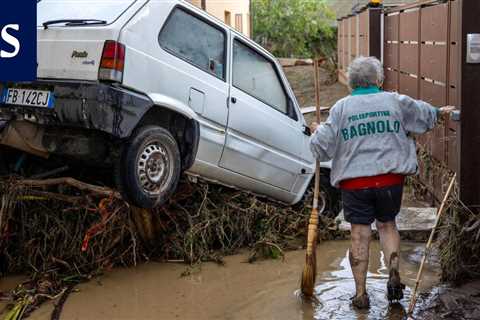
(367, 135)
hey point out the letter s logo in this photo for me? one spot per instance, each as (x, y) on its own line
(11, 40)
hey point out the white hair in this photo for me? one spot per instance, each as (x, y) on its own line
(365, 72)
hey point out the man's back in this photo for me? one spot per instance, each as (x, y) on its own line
(368, 134)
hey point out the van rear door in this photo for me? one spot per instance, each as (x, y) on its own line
(71, 35)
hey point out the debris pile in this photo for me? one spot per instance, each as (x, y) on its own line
(62, 231)
(446, 302)
(459, 241)
(459, 235)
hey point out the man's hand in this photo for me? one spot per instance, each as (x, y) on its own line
(313, 127)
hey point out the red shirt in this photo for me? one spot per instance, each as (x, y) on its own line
(380, 181)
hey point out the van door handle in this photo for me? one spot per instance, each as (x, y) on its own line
(306, 131)
(233, 99)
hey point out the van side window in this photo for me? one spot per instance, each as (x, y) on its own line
(256, 75)
(195, 41)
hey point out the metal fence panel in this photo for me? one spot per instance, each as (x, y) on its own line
(346, 59)
(340, 45)
(364, 44)
(455, 28)
(433, 25)
(409, 58)
(363, 23)
(433, 93)
(455, 54)
(433, 61)
(409, 23)
(353, 37)
(455, 65)
(438, 143)
(453, 145)
(391, 55)
(409, 85)
(391, 80)
(454, 97)
(391, 27)
(349, 41)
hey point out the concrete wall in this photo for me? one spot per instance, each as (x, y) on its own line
(237, 10)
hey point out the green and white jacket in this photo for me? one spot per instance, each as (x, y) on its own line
(368, 134)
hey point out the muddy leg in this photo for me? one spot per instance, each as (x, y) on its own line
(390, 241)
(359, 254)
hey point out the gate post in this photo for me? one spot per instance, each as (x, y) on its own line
(470, 116)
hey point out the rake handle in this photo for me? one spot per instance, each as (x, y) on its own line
(413, 301)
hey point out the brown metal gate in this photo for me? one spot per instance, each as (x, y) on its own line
(422, 59)
(421, 56)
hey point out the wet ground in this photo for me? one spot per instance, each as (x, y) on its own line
(239, 290)
(301, 78)
(456, 303)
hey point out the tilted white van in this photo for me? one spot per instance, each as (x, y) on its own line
(155, 88)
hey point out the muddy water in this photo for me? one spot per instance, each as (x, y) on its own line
(239, 290)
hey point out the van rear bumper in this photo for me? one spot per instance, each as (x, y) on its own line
(82, 104)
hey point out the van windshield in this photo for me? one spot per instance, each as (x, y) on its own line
(107, 10)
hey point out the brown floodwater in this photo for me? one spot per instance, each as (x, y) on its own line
(240, 290)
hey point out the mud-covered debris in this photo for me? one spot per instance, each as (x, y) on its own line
(452, 303)
(65, 231)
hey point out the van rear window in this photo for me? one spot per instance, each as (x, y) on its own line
(108, 10)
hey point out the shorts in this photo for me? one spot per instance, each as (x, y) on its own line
(364, 206)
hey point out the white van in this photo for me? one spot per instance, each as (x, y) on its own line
(155, 88)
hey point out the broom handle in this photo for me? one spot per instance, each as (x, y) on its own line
(317, 113)
(413, 301)
(313, 222)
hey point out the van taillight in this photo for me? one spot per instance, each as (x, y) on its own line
(113, 61)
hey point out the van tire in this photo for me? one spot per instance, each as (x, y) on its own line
(330, 197)
(149, 167)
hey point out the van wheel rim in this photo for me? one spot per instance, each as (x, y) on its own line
(154, 169)
(322, 202)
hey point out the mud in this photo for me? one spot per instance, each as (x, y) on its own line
(301, 78)
(239, 290)
(454, 303)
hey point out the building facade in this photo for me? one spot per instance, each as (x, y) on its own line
(235, 13)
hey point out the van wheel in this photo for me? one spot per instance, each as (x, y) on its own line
(329, 202)
(149, 168)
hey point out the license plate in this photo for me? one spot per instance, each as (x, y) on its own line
(27, 97)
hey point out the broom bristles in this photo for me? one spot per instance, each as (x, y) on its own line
(310, 269)
(308, 275)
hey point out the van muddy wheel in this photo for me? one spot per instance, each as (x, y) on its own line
(329, 199)
(149, 168)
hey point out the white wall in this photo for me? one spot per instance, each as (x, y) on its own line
(218, 8)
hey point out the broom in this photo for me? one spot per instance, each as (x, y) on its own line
(310, 269)
(413, 300)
